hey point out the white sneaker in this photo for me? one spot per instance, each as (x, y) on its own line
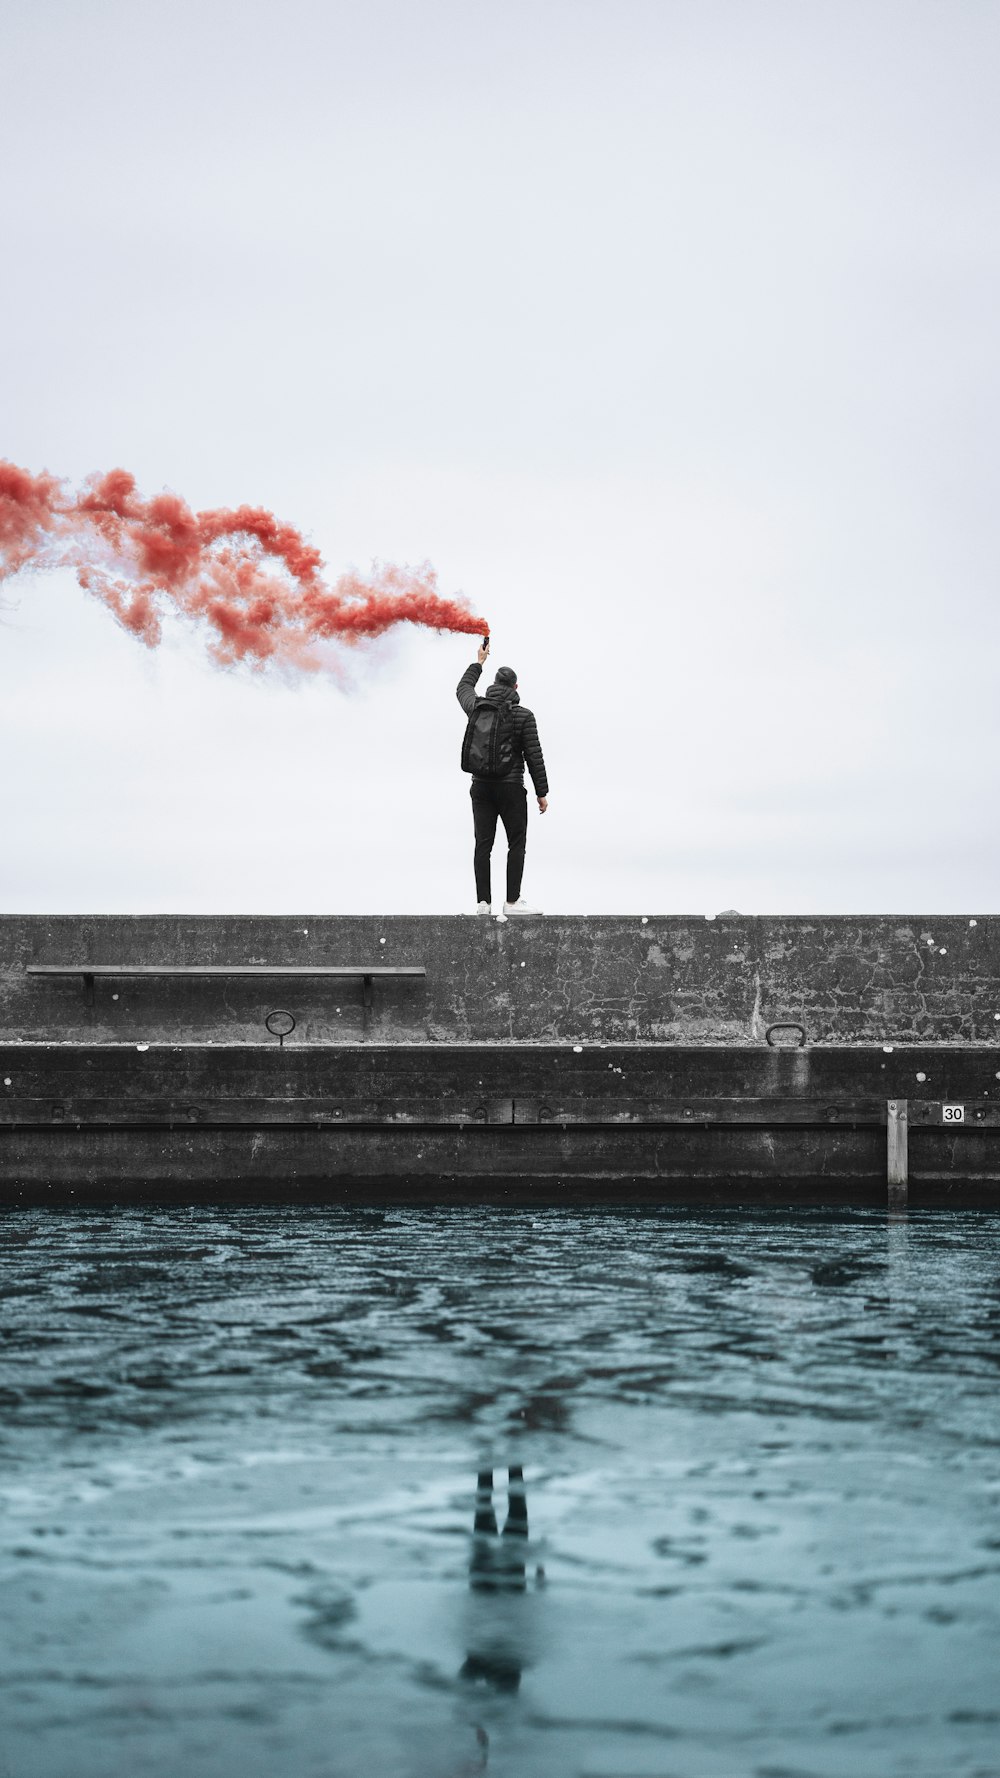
(484, 908)
(519, 907)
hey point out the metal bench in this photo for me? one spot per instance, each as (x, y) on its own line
(364, 972)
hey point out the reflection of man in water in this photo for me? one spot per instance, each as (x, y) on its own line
(497, 1565)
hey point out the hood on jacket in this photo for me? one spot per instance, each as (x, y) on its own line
(501, 694)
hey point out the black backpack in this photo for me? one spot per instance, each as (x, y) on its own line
(488, 748)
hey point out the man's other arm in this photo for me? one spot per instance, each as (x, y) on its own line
(466, 693)
(531, 747)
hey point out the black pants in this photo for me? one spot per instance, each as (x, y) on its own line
(510, 802)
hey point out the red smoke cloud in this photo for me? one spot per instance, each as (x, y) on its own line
(255, 582)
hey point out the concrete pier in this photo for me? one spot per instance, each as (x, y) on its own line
(657, 1056)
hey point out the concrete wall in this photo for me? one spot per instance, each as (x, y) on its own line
(669, 979)
(667, 1123)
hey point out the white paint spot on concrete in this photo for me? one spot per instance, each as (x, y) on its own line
(578, 1051)
(930, 941)
(973, 922)
(921, 1077)
(381, 941)
(142, 1046)
(6, 1080)
(887, 1048)
(645, 919)
(943, 952)
(114, 997)
(522, 965)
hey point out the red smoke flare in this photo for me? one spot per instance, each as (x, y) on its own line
(255, 582)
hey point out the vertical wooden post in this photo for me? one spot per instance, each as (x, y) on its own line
(897, 1160)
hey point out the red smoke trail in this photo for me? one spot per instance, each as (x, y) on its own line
(254, 581)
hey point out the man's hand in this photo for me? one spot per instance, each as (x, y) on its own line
(484, 649)
(543, 803)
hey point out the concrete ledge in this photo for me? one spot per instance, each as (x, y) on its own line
(450, 1119)
(679, 1169)
(604, 1055)
(475, 1083)
(619, 979)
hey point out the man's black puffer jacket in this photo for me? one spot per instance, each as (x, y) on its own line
(527, 747)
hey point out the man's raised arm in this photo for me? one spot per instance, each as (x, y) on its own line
(466, 693)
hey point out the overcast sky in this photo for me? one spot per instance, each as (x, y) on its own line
(666, 330)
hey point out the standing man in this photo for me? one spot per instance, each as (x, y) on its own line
(502, 737)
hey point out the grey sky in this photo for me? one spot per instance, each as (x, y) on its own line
(666, 331)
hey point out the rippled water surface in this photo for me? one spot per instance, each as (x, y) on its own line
(761, 1460)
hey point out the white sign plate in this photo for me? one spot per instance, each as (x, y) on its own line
(953, 1114)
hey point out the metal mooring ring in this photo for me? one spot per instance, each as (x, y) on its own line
(785, 1025)
(280, 1025)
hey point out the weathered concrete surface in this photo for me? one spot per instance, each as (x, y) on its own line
(671, 979)
(541, 1056)
(541, 1165)
(452, 1120)
(385, 1084)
